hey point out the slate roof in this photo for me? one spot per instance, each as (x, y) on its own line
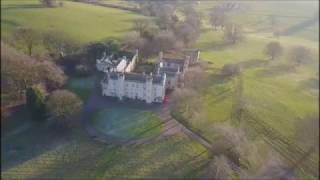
(113, 75)
(170, 72)
(157, 79)
(135, 77)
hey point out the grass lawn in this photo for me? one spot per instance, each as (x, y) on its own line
(84, 159)
(276, 94)
(127, 123)
(83, 87)
(256, 18)
(174, 157)
(23, 139)
(82, 22)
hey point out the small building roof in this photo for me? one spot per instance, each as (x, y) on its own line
(135, 77)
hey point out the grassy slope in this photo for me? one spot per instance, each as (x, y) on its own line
(256, 19)
(79, 21)
(270, 91)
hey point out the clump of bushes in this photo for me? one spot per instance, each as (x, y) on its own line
(231, 69)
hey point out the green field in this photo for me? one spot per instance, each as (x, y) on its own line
(127, 123)
(84, 159)
(273, 92)
(256, 17)
(81, 22)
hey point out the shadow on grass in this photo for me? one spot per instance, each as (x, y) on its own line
(9, 23)
(253, 63)
(312, 83)
(220, 45)
(28, 144)
(278, 70)
(219, 78)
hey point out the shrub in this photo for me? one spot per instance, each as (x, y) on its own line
(231, 69)
(36, 102)
(62, 107)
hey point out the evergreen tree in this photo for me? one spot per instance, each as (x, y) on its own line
(36, 102)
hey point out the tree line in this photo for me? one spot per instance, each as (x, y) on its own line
(165, 30)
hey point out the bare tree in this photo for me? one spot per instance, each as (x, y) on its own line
(19, 71)
(273, 49)
(28, 37)
(186, 33)
(146, 28)
(221, 168)
(217, 18)
(300, 55)
(52, 75)
(166, 40)
(63, 106)
(133, 40)
(233, 33)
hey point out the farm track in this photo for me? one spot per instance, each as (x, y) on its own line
(287, 148)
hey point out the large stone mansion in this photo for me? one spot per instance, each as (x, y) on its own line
(120, 81)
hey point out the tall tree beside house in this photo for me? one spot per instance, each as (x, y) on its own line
(63, 106)
(95, 50)
(35, 96)
(273, 50)
(145, 27)
(233, 33)
(27, 37)
(113, 46)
